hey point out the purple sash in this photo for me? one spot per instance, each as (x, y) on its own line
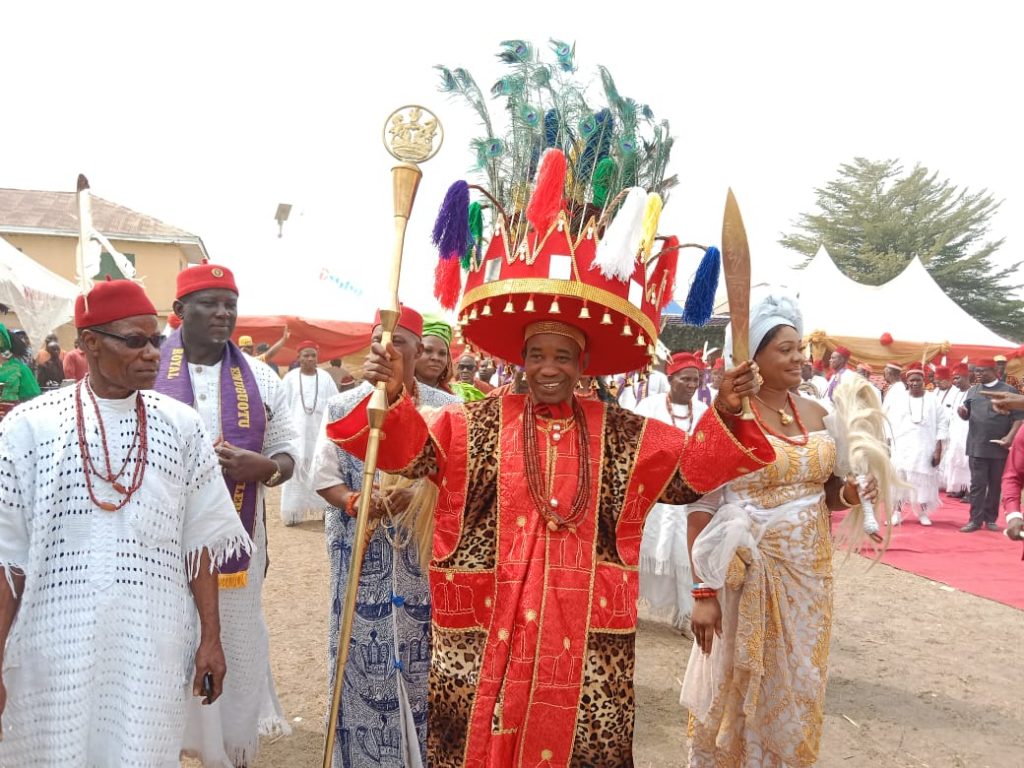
(834, 383)
(243, 423)
(704, 394)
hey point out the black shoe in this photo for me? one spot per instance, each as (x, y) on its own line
(971, 527)
(992, 527)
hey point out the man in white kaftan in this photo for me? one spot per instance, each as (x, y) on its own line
(655, 383)
(307, 390)
(958, 469)
(227, 733)
(665, 578)
(102, 656)
(919, 425)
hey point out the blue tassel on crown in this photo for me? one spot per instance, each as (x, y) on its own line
(700, 301)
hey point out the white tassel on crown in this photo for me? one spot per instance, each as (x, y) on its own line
(617, 251)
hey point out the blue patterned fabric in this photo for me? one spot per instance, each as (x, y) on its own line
(391, 629)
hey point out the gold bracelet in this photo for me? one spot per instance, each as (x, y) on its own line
(842, 497)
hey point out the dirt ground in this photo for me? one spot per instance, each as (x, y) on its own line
(921, 676)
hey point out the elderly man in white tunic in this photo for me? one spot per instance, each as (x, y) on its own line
(665, 582)
(243, 408)
(307, 389)
(919, 425)
(113, 517)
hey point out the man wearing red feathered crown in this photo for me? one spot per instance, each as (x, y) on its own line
(542, 497)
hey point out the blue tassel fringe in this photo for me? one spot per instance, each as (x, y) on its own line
(700, 301)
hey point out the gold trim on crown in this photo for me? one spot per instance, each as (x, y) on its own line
(565, 288)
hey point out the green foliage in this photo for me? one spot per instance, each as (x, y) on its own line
(874, 218)
(679, 337)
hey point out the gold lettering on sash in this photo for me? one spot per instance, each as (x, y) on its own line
(174, 366)
(243, 397)
(236, 497)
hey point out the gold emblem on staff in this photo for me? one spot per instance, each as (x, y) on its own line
(413, 134)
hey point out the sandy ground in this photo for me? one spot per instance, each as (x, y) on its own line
(920, 674)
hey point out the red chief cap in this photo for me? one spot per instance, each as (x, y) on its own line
(682, 360)
(408, 318)
(307, 345)
(961, 369)
(112, 300)
(915, 368)
(985, 362)
(719, 364)
(844, 352)
(942, 372)
(203, 277)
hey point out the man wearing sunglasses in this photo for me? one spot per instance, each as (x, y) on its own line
(112, 520)
(245, 410)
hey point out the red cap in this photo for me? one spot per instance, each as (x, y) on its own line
(915, 368)
(942, 372)
(203, 277)
(174, 321)
(682, 360)
(719, 364)
(409, 319)
(844, 352)
(885, 339)
(985, 362)
(961, 369)
(112, 300)
(307, 345)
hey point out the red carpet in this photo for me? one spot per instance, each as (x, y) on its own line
(982, 563)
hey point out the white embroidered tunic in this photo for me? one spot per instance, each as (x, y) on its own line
(307, 397)
(665, 578)
(227, 732)
(99, 663)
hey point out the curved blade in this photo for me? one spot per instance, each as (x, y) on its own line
(736, 264)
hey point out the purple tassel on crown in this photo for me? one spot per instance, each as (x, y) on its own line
(451, 229)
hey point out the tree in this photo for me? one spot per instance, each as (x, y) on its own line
(873, 219)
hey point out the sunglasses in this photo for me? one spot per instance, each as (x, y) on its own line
(135, 341)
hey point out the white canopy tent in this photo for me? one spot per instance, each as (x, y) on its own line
(911, 307)
(42, 299)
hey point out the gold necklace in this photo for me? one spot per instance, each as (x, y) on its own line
(784, 418)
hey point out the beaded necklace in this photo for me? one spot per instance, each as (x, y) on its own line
(791, 439)
(316, 393)
(535, 479)
(139, 445)
(672, 414)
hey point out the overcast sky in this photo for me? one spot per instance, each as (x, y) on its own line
(208, 114)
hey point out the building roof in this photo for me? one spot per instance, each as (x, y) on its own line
(35, 212)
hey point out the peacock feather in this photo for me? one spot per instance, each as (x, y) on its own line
(610, 147)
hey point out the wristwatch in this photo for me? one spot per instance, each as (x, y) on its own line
(275, 478)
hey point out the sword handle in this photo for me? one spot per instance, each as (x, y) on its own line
(746, 412)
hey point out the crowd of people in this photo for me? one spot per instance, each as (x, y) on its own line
(523, 498)
(198, 428)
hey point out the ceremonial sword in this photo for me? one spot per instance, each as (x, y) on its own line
(736, 264)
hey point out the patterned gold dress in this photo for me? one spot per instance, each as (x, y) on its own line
(757, 700)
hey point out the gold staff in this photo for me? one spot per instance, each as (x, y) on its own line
(410, 135)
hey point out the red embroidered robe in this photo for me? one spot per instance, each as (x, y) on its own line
(533, 629)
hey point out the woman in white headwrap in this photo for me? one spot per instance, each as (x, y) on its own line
(761, 552)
